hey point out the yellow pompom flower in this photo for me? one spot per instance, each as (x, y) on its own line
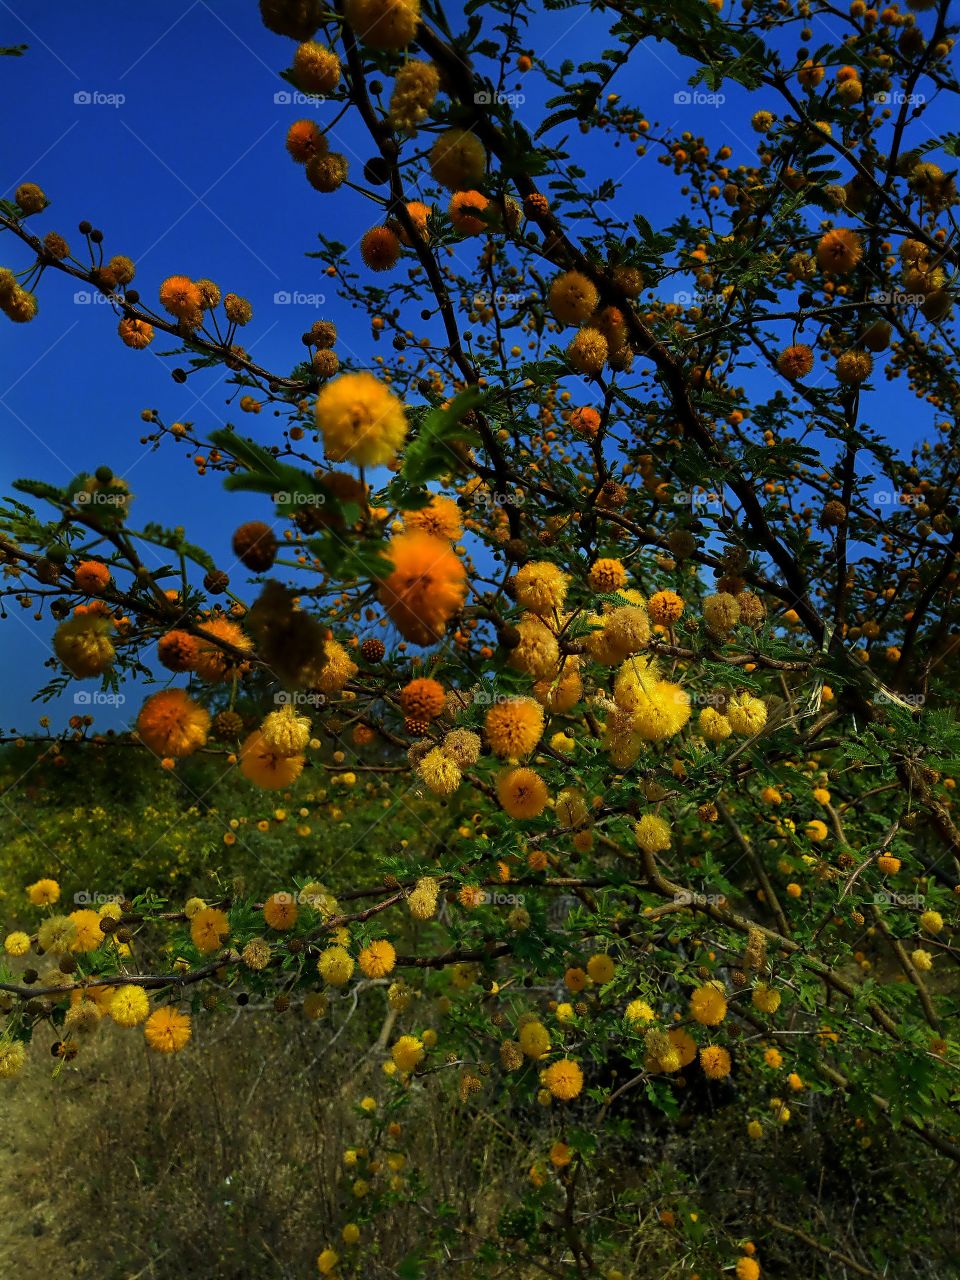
(714, 725)
(441, 774)
(407, 1053)
(708, 1004)
(715, 1062)
(522, 792)
(13, 1055)
(167, 1030)
(607, 576)
(327, 1261)
(514, 727)
(573, 298)
(564, 1079)
(652, 834)
(747, 714)
(378, 958)
(129, 1006)
(534, 1039)
(57, 935)
(601, 969)
(88, 934)
(171, 724)
(361, 420)
(541, 587)
(43, 893)
(639, 1011)
(931, 922)
(350, 1233)
(423, 898)
(383, 24)
(765, 998)
(83, 645)
(458, 160)
(285, 733)
(280, 911)
(209, 929)
(335, 966)
(16, 943)
(264, 768)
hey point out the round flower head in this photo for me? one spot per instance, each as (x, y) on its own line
(182, 298)
(43, 893)
(541, 587)
(561, 692)
(713, 725)
(213, 663)
(377, 959)
(134, 333)
(588, 351)
(458, 160)
(285, 733)
(87, 932)
(316, 69)
(13, 1055)
(304, 141)
(564, 1079)
(522, 792)
(16, 943)
(422, 699)
(652, 834)
(747, 714)
(765, 998)
(209, 929)
(439, 772)
(747, 1269)
(167, 1031)
(383, 24)
(639, 1011)
(57, 935)
(465, 209)
(327, 171)
(379, 249)
(854, 367)
(83, 645)
(441, 518)
(607, 576)
(931, 922)
(721, 613)
(537, 653)
(407, 1053)
(839, 251)
(91, 576)
(708, 1004)
(264, 768)
(534, 1039)
(462, 746)
(715, 1062)
(280, 911)
(172, 724)
(415, 88)
(601, 969)
(573, 298)
(514, 727)
(361, 420)
(335, 966)
(795, 362)
(425, 588)
(129, 1006)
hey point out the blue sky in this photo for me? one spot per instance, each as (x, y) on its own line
(161, 125)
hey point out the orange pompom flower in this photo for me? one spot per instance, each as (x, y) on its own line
(264, 768)
(427, 586)
(172, 724)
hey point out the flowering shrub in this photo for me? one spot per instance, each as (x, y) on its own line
(586, 587)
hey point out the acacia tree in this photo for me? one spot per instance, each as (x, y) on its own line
(604, 555)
